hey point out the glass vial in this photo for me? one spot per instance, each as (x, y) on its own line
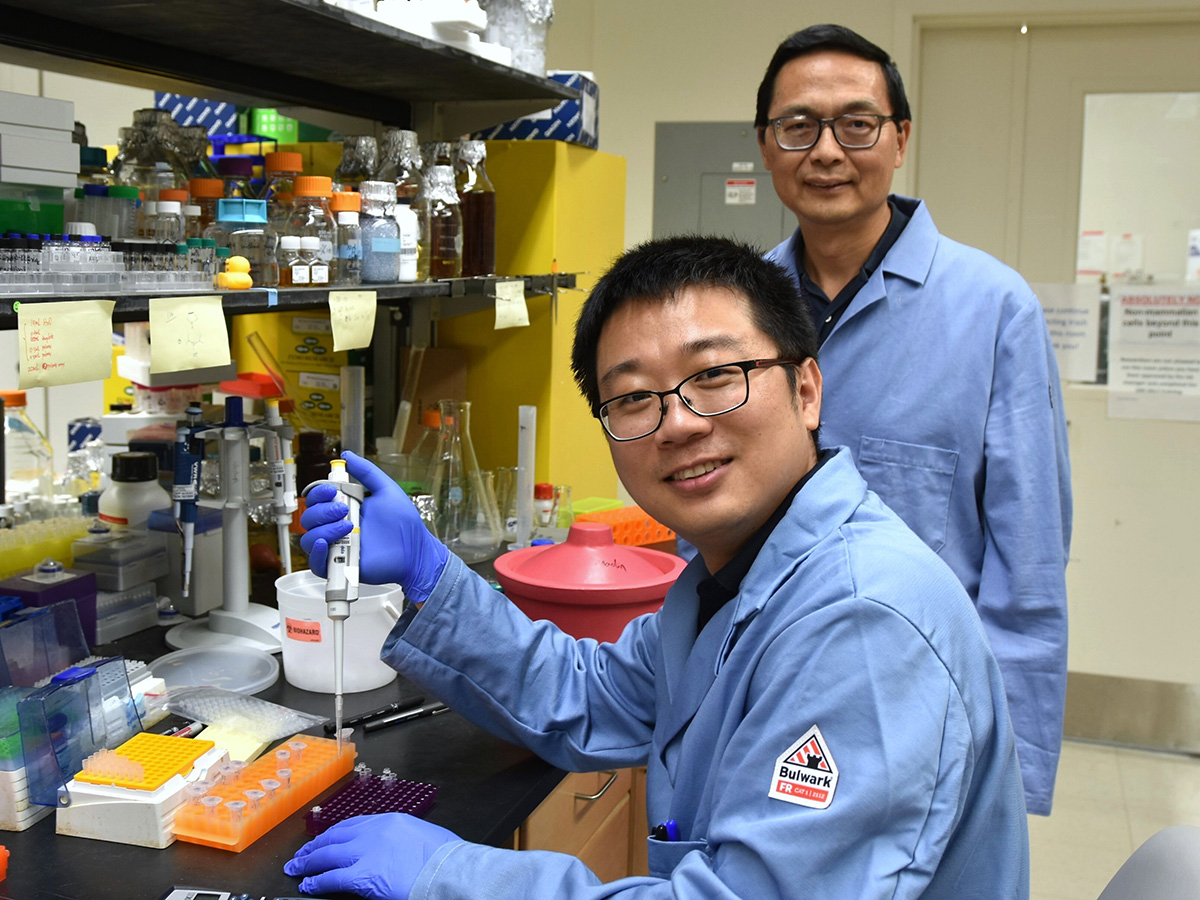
(293, 267)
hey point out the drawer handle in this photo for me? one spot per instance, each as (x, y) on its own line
(600, 793)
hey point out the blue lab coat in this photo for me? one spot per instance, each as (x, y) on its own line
(940, 377)
(845, 622)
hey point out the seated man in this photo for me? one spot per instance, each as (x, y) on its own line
(815, 702)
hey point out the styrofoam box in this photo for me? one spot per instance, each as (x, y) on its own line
(33, 153)
(40, 112)
(37, 177)
(32, 131)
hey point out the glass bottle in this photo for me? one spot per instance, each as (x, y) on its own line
(293, 268)
(236, 172)
(311, 216)
(205, 194)
(347, 266)
(424, 450)
(401, 163)
(318, 268)
(444, 218)
(242, 227)
(28, 457)
(380, 233)
(168, 224)
(360, 159)
(467, 520)
(279, 171)
(477, 198)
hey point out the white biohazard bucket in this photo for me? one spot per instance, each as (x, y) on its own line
(306, 633)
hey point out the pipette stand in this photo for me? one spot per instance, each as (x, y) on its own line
(238, 622)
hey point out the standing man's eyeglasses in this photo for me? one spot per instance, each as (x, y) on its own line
(713, 392)
(854, 131)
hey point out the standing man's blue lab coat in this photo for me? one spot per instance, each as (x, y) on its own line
(941, 379)
(837, 730)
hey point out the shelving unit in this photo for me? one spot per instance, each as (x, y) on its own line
(302, 53)
(437, 299)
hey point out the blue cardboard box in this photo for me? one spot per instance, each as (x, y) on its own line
(576, 121)
(217, 116)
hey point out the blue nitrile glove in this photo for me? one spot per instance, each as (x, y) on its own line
(376, 856)
(395, 544)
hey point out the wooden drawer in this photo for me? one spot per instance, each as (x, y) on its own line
(566, 823)
(607, 851)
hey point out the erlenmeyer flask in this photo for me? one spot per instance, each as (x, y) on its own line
(467, 519)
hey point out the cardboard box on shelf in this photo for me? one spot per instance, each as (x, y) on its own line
(575, 121)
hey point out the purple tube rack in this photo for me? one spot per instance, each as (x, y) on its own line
(369, 794)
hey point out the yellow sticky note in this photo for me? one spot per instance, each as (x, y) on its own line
(187, 333)
(352, 314)
(511, 311)
(64, 343)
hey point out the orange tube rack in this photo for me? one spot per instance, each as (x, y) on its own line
(248, 802)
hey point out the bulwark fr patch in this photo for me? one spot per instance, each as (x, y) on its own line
(805, 774)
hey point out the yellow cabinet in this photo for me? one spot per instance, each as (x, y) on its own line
(559, 207)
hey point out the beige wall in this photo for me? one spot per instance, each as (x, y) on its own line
(683, 60)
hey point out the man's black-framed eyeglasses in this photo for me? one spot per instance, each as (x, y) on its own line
(854, 131)
(712, 392)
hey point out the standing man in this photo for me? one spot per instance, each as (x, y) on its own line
(941, 376)
(815, 702)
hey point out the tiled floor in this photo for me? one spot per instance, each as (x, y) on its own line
(1106, 803)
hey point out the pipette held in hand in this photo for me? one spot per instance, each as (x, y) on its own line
(341, 585)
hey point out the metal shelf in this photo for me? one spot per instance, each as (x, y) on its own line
(449, 297)
(293, 52)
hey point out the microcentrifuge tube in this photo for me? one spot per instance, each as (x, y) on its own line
(254, 796)
(285, 777)
(235, 809)
(193, 792)
(270, 785)
(211, 802)
(297, 747)
(283, 756)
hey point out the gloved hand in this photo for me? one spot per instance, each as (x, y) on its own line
(395, 544)
(376, 856)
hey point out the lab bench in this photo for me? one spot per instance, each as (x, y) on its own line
(486, 789)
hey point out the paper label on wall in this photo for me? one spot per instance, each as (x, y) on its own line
(1091, 256)
(187, 333)
(1154, 353)
(1127, 255)
(352, 314)
(741, 191)
(64, 343)
(511, 311)
(1073, 317)
(1193, 256)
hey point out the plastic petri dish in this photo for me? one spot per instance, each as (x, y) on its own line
(241, 669)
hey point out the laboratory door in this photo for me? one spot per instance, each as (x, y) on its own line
(1000, 157)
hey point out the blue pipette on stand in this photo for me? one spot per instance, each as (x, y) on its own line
(185, 489)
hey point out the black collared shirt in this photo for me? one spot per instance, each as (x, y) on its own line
(826, 312)
(719, 588)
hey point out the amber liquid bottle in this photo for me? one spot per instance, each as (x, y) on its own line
(477, 197)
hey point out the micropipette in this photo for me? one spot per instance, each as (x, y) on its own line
(341, 576)
(185, 489)
(282, 466)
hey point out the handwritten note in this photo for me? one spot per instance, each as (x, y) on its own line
(352, 314)
(187, 333)
(511, 311)
(64, 343)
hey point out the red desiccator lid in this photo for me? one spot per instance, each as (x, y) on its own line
(588, 566)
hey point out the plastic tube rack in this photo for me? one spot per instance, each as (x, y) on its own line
(370, 794)
(246, 803)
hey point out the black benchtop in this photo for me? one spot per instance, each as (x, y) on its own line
(487, 787)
